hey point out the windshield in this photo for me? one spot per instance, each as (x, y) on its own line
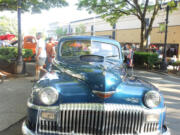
(83, 47)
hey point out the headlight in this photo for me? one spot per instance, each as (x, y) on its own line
(48, 95)
(152, 99)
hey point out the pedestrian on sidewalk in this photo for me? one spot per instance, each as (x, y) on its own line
(130, 56)
(40, 55)
(50, 51)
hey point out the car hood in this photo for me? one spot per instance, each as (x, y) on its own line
(99, 76)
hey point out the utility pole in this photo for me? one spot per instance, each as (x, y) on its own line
(19, 58)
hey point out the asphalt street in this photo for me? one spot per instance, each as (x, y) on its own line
(14, 93)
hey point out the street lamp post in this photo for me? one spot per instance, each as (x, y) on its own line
(164, 61)
(19, 59)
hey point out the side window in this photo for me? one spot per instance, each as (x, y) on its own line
(29, 40)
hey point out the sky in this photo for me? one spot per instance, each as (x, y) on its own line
(41, 21)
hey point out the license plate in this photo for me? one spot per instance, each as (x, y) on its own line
(48, 115)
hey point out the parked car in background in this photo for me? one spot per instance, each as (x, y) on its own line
(29, 42)
(89, 92)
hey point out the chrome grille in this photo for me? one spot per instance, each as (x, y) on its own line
(48, 126)
(98, 119)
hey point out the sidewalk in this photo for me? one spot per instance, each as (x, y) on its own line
(13, 96)
(160, 72)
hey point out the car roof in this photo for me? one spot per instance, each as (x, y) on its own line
(93, 38)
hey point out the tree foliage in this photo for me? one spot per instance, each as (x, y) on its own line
(34, 6)
(112, 10)
(80, 29)
(61, 32)
(8, 25)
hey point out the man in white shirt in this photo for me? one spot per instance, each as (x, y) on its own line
(40, 55)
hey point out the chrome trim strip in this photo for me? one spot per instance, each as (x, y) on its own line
(25, 130)
(70, 116)
(60, 66)
(37, 118)
(100, 92)
(44, 108)
(78, 119)
(74, 122)
(100, 118)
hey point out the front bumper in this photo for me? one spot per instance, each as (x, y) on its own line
(27, 131)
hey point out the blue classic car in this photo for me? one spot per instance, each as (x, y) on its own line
(89, 92)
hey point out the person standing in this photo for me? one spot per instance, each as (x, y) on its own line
(40, 55)
(50, 50)
(130, 56)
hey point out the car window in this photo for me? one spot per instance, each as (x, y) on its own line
(75, 48)
(105, 49)
(29, 40)
(78, 48)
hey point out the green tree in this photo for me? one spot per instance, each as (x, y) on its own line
(61, 32)
(34, 6)
(80, 29)
(8, 25)
(112, 10)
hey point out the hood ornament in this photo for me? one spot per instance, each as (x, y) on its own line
(103, 94)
